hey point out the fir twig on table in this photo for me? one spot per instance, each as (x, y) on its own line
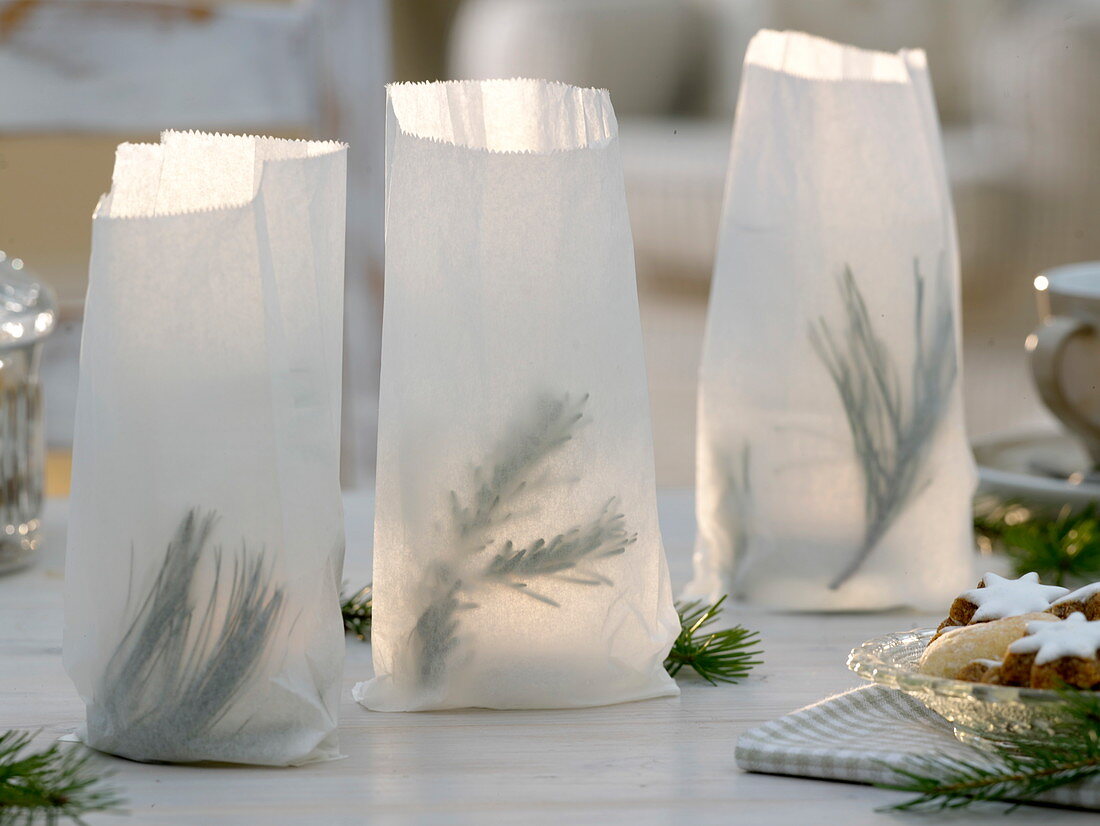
(1063, 549)
(1017, 772)
(718, 656)
(356, 611)
(46, 786)
(891, 425)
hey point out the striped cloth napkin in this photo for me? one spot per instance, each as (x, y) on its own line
(857, 736)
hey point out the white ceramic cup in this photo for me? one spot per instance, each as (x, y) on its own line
(1065, 349)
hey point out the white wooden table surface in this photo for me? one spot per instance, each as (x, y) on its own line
(660, 761)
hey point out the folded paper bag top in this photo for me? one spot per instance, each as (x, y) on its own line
(203, 172)
(833, 471)
(814, 58)
(518, 562)
(206, 532)
(512, 116)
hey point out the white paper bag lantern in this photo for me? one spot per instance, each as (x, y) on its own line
(833, 468)
(517, 560)
(206, 534)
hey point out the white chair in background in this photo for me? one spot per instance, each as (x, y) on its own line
(123, 67)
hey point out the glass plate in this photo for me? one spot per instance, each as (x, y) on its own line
(981, 714)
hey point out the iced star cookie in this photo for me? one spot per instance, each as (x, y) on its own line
(1055, 653)
(951, 652)
(997, 597)
(1084, 600)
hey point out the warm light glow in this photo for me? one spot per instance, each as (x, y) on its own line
(43, 322)
(1031, 342)
(1041, 282)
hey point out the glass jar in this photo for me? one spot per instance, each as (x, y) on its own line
(28, 313)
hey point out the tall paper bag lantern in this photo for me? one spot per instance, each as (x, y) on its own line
(518, 561)
(833, 471)
(206, 537)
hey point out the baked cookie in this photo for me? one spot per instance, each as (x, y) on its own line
(1054, 654)
(980, 671)
(952, 651)
(1084, 600)
(997, 597)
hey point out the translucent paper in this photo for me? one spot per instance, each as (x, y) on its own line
(517, 560)
(833, 468)
(206, 534)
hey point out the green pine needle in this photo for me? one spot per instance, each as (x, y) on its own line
(46, 786)
(892, 413)
(191, 651)
(718, 656)
(1017, 772)
(1063, 550)
(356, 611)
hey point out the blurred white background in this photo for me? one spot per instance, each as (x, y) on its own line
(1015, 82)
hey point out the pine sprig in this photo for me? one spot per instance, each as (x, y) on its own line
(1018, 772)
(563, 556)
(498, 489)
(46, 786)
(1063, 549)
(892, 416)
(356, 611)
(496, 485)
(718, 656)
(191, 649)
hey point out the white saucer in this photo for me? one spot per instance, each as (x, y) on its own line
(1035, 468)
